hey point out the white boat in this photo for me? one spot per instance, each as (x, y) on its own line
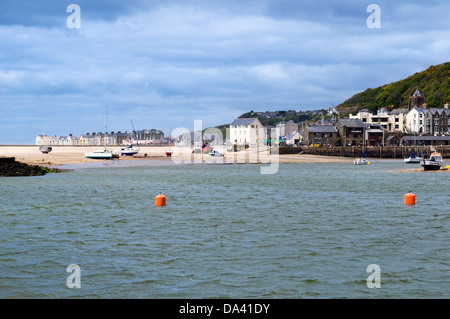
(105, 153)
(434, 163)
(216, 153)
(100, 154)
(45, 149)
(361, 161)
(413, 159)
(131, 150)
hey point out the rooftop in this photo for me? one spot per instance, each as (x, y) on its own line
(243, 121)
(352, 122)
(322, 129)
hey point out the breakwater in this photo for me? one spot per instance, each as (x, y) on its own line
(10, 167)
(394, 152)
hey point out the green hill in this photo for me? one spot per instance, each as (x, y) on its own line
(433, 84)
(275, 117)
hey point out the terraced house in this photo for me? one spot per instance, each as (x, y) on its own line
(145, 137)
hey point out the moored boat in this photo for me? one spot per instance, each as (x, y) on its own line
(434, 163)
(361, 161)
(131, 150)
(45, 149)
(105, 153)
(413, 159)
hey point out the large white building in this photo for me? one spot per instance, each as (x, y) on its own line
(247, 132)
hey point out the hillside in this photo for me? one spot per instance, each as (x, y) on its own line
(433, 83)
(272, 118)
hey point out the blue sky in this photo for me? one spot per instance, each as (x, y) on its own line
(164, 64)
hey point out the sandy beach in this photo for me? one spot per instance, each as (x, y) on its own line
(73, 156)
(64, 155)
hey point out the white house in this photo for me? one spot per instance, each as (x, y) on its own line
(294, 138)
(415, 120)
(247, 132)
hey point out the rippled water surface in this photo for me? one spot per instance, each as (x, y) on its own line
(309, 231)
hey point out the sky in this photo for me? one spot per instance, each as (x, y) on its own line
(164, 64)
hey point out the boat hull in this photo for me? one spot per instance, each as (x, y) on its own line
(360, 162)
(416, 160)
(129, 152)
(427, 166)
(96, 156)
(45, 149)
(101, 155)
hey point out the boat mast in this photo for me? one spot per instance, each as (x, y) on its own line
(135, 135)
(106, 120)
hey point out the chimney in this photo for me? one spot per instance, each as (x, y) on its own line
(446, 106)
(70, 134)
(425, 105)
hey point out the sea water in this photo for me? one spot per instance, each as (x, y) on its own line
(227, 231)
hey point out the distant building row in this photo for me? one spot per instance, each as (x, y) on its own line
(144, 137)
(417, 118)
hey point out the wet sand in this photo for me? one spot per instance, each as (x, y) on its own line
(65, 155)
(72, 157)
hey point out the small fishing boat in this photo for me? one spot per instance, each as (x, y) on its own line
(434, 163)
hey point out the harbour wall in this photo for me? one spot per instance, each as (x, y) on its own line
(394, 152)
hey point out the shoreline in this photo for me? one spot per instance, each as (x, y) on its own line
(67, 157)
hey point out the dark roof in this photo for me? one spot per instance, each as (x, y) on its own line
(391, 137)
(398, 111)
(322, 129)
(352, 122)
(243, 121)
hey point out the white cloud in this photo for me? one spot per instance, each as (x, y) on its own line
(170, 64)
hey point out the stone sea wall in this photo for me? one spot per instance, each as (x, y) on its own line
(394, 152)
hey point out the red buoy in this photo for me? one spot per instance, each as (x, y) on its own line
(160, 200)
(410, 199)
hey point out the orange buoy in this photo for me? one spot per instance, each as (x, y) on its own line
(160, 200)
(410, 199)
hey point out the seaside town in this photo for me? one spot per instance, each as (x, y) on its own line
(416, 124)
